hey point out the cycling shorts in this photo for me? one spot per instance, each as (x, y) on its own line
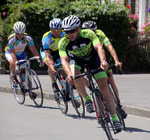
(9, 57)
(92, 63)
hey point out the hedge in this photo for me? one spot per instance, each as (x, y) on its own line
(111, 18)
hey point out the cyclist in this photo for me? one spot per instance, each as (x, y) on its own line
(49, 50)
(80, 47)
(105, 41)
(15, 49)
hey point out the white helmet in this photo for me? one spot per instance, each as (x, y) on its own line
(55, 23)
(70, 22)
(19, 27)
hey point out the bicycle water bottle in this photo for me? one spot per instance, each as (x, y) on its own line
(23, 77)
(63, 83)
(17, 69)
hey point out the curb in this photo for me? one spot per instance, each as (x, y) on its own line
(131, 110)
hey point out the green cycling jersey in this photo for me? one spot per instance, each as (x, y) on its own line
(102, 37)
(81, 47)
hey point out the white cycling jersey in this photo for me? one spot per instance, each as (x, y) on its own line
(18, 45)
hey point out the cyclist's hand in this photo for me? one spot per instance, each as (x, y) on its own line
(119, 65)
(41, 64)
(69, 79)
(40, 61)
(104, 65)
(54, 72)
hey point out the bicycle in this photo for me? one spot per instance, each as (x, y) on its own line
(28, 81)
(117, 101)
(67, 93)
(101, 109)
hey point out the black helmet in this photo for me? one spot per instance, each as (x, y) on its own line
(89, 25)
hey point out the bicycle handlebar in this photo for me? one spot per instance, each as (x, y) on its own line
(96, 70)
(25, 60)
(57, 66)
(115, 67)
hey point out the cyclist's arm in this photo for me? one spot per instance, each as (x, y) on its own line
(13, 54)
(101, 53)
(97, 45)
(66, 67)
(49, 61)
(34, 51)
(114, 55)
(99, 48)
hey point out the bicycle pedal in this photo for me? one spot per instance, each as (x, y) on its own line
(107, 119)
(99, 121)
(118, 131)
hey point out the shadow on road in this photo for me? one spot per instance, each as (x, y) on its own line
(75, 116)
(43, 107)
(132, 129)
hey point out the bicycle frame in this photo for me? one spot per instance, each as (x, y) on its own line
(69, 93)
(26, 68)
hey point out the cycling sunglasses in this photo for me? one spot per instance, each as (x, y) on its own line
(71, 31)
(19, 33)
(56, 30)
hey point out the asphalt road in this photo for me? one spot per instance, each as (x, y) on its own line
(134, 91)
(26, 122)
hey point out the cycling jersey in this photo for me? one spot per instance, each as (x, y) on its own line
(102, 37)
(49, 42)
(81, 47)
(18, 45)
(81, 51)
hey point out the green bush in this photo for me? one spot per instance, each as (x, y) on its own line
(111, 18)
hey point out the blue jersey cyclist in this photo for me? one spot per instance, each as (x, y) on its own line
(15, 49)
(49, 50)
(80, 47)
(105, 42)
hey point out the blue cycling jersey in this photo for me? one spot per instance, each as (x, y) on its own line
(49, 42)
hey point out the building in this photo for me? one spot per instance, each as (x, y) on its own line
(138, 7)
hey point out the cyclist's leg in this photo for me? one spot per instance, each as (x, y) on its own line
(102, 81)
(112, 83)
(11, 62)
(103, 86)
(42, 53)
(114, 87)
(76, 69)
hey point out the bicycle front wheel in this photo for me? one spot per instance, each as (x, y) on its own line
(77, 102)
(18, 92)
(61, 101)
(102, 115)
(35, 88)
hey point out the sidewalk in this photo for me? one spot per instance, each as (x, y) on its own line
(134, 90)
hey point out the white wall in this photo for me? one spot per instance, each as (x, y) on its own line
(142, 8)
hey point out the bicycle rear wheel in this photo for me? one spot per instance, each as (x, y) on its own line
(35, 88)
(77, 102)
(118, 107)
(102, 115)
(18, 92)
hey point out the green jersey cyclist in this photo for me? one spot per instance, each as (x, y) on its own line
(105, 41)
(80, 47)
